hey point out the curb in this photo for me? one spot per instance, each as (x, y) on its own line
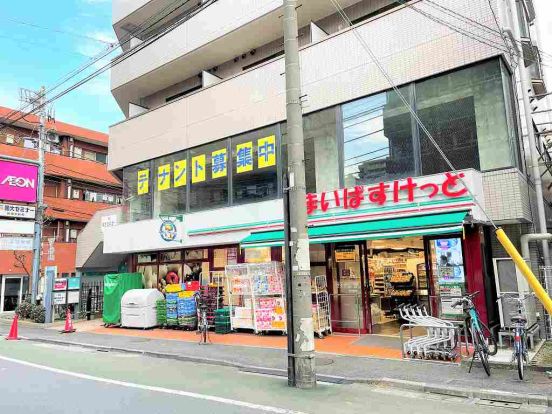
(464, 392)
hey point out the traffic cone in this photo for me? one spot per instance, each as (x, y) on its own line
(68, 323)
(12, 336)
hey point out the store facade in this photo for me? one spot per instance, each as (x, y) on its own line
(388, 222)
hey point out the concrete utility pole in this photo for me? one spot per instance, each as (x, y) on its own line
(37, 243)
(533, 141)
(300, 323)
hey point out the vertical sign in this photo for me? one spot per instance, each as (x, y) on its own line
(198, 169)
(219, 161)
(164, 177)
(266, 151)
(50, 273)
(244, 157)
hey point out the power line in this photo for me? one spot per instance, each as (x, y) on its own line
(347, 20)
(55, 30)
(105, 53)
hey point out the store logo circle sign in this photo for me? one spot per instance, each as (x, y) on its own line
(168, 230)
(18, 181)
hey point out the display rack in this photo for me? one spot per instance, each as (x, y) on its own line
(321, 311)
(256, 297)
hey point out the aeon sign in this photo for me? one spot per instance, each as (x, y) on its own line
(18, 182)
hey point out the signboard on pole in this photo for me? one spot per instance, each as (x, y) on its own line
(59, 298)
(60, 284)
(16, 243)
(18, 181)
(73, 296)
(109, 221)
(17, 211)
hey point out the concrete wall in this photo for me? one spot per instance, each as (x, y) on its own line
(335, 70)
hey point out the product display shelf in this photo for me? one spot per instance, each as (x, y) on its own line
(402, 288)
(321, 311)
(256, 297)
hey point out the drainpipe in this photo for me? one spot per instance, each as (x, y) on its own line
(536, 175)
(527, 238)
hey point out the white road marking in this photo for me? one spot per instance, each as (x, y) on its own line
(265, 408)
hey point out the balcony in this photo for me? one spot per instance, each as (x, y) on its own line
(216, 34)
(334, 70)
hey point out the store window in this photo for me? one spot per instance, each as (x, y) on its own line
(196, 265)
(377, 136)
(170, 184)
(258, 255)
(209, 166)
(466, 113)
(137, 192)
(321, 150)
(255, 166)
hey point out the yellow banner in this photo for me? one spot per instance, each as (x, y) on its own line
(180, 173)
(143, 182)
(244, 157)
(219, 163)
(266, 151)
(164, 177)
(198, 169)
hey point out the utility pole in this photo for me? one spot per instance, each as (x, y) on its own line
(533, 140)
(37, 242)
(300, 323)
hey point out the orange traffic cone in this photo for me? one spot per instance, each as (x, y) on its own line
(12, 336)
(68, 323)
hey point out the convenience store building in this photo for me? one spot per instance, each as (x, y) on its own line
(202, 156)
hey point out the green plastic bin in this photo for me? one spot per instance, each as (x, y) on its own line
(115, 286)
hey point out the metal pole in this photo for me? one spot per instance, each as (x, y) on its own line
(525, 90)
(37, 243)
(299, 260)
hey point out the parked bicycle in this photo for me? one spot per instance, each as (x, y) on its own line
(519, 320)
(484, 342)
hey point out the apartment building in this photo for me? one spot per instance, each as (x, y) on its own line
(77, 184)
(203, 147)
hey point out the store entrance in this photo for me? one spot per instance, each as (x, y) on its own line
(397, 275)
(11, 292)
(348, 292)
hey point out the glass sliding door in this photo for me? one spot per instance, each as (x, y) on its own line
(11, 293)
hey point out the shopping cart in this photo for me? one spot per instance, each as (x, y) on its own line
(440, 340)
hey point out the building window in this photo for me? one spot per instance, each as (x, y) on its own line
(255, 166)
(137, 191)
(465, 111)
(73, 235)
(77, 152)
(377, 139)
(101, 158)
(209, 169)
(170, 184)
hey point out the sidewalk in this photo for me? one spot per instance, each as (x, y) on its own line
(425, 376)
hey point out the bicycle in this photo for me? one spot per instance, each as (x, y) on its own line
(520, 353)
(478, 329)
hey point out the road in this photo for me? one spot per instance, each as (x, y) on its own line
(42, 378)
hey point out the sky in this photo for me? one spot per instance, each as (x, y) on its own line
(32, 56)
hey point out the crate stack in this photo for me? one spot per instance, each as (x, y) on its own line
(211, 297)
(187, 311)
(161, 309)
(222, 321)
(172, 314)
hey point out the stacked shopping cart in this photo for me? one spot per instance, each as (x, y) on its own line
(440, 339)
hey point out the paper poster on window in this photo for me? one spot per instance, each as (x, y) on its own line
(164, 177)
(244, 157)
(198, 169)
(219, 163)
(450, 293)
(266, 152)
(180, 173)
(143, 182)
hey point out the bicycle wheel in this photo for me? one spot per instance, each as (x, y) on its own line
(482, 350)
(492, 348)
(520, 364)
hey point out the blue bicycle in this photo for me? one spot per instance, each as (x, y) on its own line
(484, 342)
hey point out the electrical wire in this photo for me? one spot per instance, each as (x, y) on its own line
(421, 125)
(136, 33)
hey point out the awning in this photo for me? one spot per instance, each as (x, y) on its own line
(433, 224)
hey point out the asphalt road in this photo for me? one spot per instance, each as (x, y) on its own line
(40, 378)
